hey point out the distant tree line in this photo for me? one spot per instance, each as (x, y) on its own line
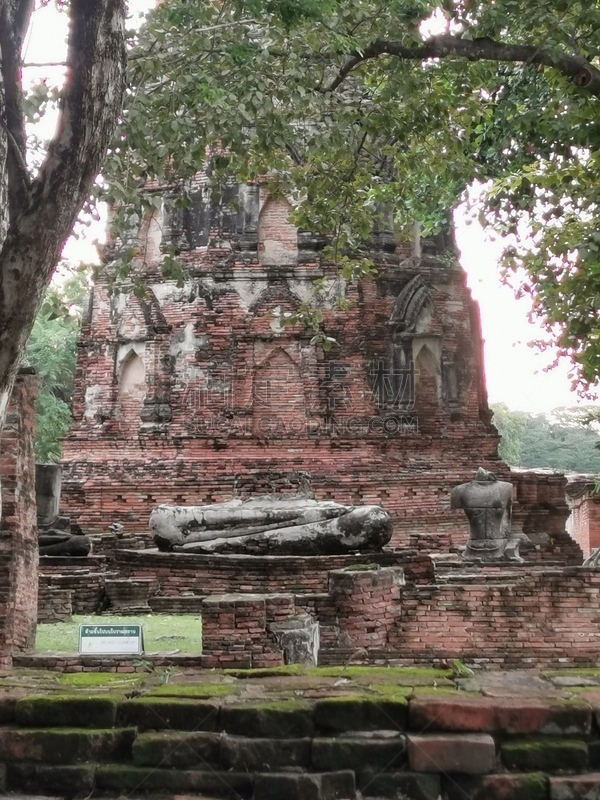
(563, 439)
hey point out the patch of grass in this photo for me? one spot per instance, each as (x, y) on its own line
(163, 633)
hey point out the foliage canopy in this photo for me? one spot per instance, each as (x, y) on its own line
(561, 440)
(353, 105)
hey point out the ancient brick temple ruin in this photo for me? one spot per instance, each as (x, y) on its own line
(198, 393)
(191, 393)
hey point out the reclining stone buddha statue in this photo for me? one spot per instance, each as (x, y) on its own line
(271, 525)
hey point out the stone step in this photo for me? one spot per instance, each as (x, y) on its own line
(123, 779)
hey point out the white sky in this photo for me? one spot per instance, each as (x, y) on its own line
(515, 372)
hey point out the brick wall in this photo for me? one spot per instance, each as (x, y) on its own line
(527, 618)
(584, 524)
(18, 529)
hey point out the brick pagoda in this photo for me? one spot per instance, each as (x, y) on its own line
(194, 392)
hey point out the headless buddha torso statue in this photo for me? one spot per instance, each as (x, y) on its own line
(487, 502)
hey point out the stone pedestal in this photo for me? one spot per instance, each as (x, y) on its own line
(298, 637)
(367, 603)
(130, 596)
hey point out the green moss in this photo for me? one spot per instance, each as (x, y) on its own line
(110, 679)
(545, 753)
(399, 673)
(195, 690)
(592, 672)
(60, 710)
(362, 568)
(270, 672)
(391, 690)
(278, 705)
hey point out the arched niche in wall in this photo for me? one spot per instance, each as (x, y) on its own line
(427, 378)
(278, 399)
(277, 237)
(409, 325)
(131, 384)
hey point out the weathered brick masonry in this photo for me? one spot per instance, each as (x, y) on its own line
(180, 392)
(18, 530)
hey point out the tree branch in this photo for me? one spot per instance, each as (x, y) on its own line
(574, 67)
(14, 20)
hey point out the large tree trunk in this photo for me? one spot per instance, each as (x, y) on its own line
(37, 214)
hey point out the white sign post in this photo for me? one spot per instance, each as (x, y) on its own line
(111, 640)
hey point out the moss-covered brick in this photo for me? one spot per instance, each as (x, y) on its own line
(61, 781)
(349, 752)
(65, 745)
(546, 754)
(176, 749)
(395, 784)
(261, 755)
(533, 786)
(283, 786)
(288, 719)
(358, 713)
(139, 780)
(165, 713)
(72, 711)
